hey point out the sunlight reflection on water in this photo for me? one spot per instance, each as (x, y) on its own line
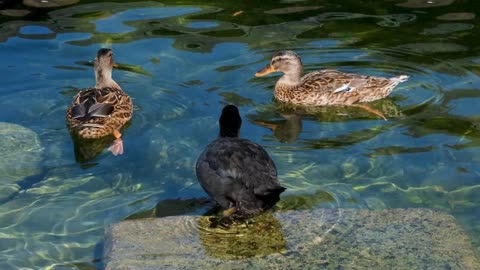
(180, 64)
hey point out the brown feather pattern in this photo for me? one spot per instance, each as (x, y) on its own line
(97, 127)
(318, 88)
(324, 87)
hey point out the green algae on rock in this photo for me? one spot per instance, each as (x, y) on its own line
(312, 239)
(258, 237)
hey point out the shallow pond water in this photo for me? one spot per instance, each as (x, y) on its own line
(181, 61)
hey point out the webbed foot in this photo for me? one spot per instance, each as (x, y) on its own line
(229, 211)
(117, 146)
(371, 110)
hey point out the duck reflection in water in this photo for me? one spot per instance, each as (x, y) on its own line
(88, 149)
(285, 131)
(289, 128)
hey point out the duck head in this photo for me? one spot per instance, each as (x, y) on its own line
(230, 122)
(287, 62)
(103, 66)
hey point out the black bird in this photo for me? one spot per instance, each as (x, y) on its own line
(237, 173)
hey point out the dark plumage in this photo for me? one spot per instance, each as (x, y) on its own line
(89, 107)
(237, 173)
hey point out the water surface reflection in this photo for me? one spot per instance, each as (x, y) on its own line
(181, 62)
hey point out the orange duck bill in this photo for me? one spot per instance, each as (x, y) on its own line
(266, 70)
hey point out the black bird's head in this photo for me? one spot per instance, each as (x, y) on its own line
(230, 122)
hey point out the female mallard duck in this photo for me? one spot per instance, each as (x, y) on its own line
(101, 110)
(238, 173)
(324, 87)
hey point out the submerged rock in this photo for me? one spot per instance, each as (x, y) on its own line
(431, 47)
(447, 28)
(425, 3)
(20, 153)
(457, 16)
(289, 10)
(48, 3)
(311, 239)
(14, 12)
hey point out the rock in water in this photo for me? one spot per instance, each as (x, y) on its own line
(311, 239)
(48, 3)
(20, 153)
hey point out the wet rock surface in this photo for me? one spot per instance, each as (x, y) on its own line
(311, 239)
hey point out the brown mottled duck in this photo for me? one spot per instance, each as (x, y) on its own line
(324, 87)
(101, 110)
(237, 173)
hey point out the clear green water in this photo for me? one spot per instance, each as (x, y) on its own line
(181, 61)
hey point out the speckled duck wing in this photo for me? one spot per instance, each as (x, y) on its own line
(230, 164)
(90, 108)
(331, 87)
(97, 112)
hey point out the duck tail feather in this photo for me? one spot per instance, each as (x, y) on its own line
(79, 111)
(100, 110)
(401, 78)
